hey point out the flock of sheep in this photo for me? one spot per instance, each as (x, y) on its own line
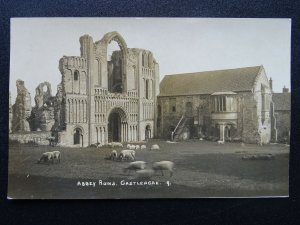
(124, 155)
(140, 166)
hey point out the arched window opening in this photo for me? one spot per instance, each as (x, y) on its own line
(150, 60)
(147, 89)
(147, 132)
(76, 75)
(146, 60)
(143, 59)
(227, 133)
(45, 88)
(113, 46)
(78, 137)
(115, 63)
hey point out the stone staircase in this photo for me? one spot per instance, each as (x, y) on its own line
(183, 129)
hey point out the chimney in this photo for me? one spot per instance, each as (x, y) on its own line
(285, 90)
(271, 84)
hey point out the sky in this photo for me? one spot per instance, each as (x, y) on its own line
(179, 45)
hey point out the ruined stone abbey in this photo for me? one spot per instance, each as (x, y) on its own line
(99, 100)
(119, 98)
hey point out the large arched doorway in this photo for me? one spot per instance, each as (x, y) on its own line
(78, 137)
(114, 124)
(117, 125)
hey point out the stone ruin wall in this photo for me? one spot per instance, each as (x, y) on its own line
(36, 137)
(35, 124)
(42, 115)
(21, 110)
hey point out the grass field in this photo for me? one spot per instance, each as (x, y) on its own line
(202, 169)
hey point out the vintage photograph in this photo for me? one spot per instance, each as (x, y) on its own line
(122, 108)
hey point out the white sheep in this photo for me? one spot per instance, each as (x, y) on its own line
(56, 155)
(155, 147)
(145, 173)
(127, 154)
(46, 157)
(143, 147)
(128, 146)
(117, 144)
(99, 145)
(136, 165)
(132, 147)
(137, 147)
(220, 142)
(163, 165)
(113, 155)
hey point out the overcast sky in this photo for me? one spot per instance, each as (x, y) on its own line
(179, 45)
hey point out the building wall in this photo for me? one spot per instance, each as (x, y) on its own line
(283, 124)
(247, 120)
(38, 137)
(170, 118)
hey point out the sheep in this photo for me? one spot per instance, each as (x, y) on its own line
(220, 142)
(113, 155)
(258, 157)
(145, 173)
(56, 155)
(163, 165)
(136, 165)
(143, 147)
(137, 147)
(127, 154)
(99, 145)
(132, 147)
(116, 144)
(155, 147)
(46, 157)
(128, 146)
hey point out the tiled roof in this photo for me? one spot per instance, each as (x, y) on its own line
(241, 79)
(282, 101)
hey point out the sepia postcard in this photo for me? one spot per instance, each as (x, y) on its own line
(122, 108)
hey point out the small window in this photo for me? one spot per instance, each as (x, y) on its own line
(76, 75)
(174, 109)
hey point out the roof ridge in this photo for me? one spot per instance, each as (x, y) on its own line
(219, 70)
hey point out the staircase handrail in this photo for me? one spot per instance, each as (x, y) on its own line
(173, 132)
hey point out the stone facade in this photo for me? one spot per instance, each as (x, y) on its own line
(233, 109)
(102, 100)
(282, 111)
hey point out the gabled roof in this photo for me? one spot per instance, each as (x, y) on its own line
(282, 101)
(209, 82)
